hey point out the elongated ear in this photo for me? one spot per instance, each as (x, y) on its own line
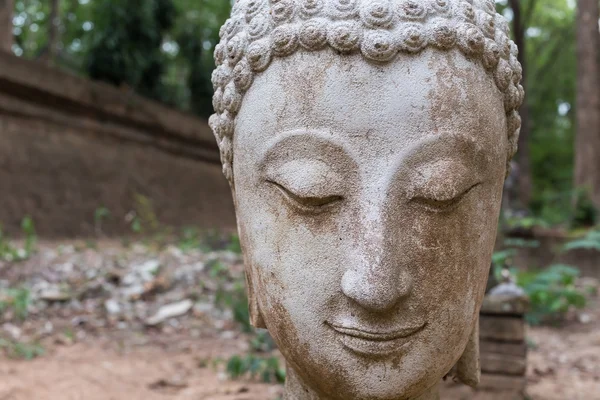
(468, 369)
(256, 317)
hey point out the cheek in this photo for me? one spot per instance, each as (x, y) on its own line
(453, 251)
(296, 259)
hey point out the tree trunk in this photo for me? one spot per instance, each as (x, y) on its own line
(524, 180)
(587, 141)
(6, 25)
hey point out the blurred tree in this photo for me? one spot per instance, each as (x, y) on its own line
(126, 44)
(196, 33)
(548, 55)
(49, 52)
(166, 54)
(587, 143)
(522, 13)
(6, 31)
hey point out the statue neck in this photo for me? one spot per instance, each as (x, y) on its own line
(296, 390)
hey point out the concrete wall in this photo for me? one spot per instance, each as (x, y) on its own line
(69, 146)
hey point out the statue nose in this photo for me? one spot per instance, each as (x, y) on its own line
(377, 287)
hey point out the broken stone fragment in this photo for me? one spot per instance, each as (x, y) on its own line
(170, 311)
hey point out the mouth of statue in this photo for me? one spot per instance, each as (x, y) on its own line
(372, 343)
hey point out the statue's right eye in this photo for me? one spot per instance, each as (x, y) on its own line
(311, 203)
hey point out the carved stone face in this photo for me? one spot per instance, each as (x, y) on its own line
(367, 198)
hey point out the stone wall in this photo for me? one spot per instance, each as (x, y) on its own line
(69, 146)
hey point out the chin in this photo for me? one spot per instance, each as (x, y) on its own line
(393, 386)
(344, 375)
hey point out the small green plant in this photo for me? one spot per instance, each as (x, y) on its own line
(551, 292)
(21, 350)
(236, 300)
(8, 252)
(528, 222)
(502, 260)
(262, 342)
(234, 244)
(100, 215)
(16, 299)
(591, 241)
(190, 239)
(28, 228)
(217, 270)
(267, 369)
(144, 221)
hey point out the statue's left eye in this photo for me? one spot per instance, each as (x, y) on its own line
(307, 203)
(441, 205)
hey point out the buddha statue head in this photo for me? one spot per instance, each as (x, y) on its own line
(366, 143)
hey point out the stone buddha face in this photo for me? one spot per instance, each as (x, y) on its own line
(367, 194)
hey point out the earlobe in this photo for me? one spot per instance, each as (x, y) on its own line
(256, 317)
(467, 369)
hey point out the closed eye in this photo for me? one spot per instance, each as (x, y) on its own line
(441, 205)
(307, 203)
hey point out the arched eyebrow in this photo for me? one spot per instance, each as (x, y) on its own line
(444, 145)
(308, 144)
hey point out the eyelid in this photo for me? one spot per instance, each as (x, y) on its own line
(445, 205)
(306, 203)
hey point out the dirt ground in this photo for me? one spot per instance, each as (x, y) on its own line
(97, 351)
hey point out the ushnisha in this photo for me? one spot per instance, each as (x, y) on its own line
(366, 143)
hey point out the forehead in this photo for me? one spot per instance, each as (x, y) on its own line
(372, 107)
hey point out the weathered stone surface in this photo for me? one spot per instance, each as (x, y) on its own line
(503, 364)
(505, 303)
(511, 349)
(366, 143)
(502, 328)
(513, 386)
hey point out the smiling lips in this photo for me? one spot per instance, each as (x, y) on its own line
(371, 343)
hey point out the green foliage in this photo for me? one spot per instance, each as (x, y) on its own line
(265, 368)
(10, 253)
(17, 300)
(144, 221)
(209, 240)
(100, 215)
(234, 244)
(162, 49)
(552, 292)
(262, 342)
(236, 300)
(585, 213)
(501, 261)
(21, 350)
(28, 229)
(527, 222)
(550, 53)
(217, 270)
(591, 241)
(126, 44)
(189, 239)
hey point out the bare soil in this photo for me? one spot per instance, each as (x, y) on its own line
(92, 353)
